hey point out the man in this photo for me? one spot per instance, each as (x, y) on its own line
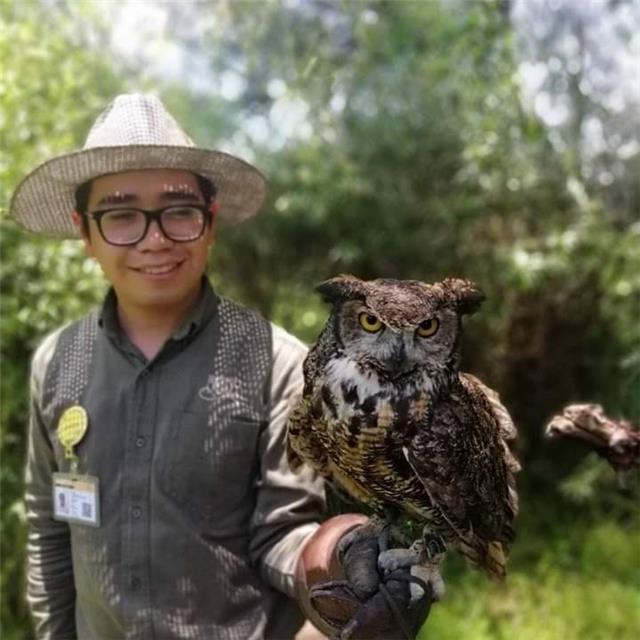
(161, 418)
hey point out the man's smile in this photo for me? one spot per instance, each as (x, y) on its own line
(159, 270)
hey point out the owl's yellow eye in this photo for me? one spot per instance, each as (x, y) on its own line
(369, 322)
(427, 328)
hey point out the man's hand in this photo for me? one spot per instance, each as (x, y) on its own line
(344, 592)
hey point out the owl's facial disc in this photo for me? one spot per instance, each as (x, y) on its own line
(376, 344)
(394, 346)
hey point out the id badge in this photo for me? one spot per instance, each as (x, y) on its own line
(76, 498)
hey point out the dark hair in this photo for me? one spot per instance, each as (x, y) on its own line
(207, 188)
(82, 197)
(82, 203)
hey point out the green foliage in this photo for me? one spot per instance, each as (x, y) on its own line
(584, 585)
(539, 605)
(49, 95)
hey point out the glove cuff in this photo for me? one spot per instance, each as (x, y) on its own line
(318, 563)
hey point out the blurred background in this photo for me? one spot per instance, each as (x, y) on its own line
(496, 140)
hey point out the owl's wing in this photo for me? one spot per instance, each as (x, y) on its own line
(462, 460)
(506, 426)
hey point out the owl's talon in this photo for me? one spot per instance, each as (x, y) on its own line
(434, 546)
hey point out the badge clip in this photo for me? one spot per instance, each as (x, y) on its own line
(72, 427)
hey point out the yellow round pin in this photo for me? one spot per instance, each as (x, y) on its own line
(72, 426)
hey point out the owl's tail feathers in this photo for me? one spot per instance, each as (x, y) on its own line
(496, 561)
(490, 556)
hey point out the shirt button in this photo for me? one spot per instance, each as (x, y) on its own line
(145, 373)
(136, 512)
(140, 441)
(135, 584)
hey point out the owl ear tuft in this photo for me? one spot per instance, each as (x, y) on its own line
(467, 295)
(340, 288)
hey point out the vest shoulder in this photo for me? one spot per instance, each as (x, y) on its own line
(232, 310)
(53, 348)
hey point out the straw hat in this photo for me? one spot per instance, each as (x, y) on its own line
(134, 132)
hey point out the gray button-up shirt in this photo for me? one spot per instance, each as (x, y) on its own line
(202, 521)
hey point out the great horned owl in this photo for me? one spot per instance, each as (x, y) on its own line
(386, 413)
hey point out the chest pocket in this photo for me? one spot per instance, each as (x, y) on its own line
(210, 467)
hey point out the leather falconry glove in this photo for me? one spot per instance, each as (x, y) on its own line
(366, 602)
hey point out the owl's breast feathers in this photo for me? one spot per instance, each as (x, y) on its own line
(351, 428)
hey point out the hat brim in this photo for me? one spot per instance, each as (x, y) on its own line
(44, 200)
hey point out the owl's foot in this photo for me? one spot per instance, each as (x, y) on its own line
(391, 559)
(422, 559)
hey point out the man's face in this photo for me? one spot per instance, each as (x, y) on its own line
(157, 273)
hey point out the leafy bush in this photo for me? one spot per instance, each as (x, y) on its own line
(49, 94)
(596, 597)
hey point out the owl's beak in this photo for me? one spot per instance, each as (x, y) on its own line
(397, 360)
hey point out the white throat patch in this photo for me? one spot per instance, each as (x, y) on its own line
(343, 370)
(367, 384)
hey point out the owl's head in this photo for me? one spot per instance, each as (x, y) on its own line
(398, 327)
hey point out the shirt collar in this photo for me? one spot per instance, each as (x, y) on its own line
(200, 314)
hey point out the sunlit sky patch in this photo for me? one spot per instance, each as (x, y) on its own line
(588, 43)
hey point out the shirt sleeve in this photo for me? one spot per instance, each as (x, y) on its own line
(50, 586)
(289, 504)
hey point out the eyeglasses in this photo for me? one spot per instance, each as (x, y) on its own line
(124, 227)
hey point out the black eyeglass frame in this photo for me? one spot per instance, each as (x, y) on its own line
(151, 215)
